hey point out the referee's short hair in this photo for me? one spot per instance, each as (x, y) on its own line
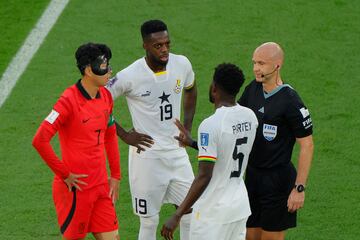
(229, 78)
(152, 26)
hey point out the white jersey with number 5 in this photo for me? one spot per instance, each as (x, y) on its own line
(154, 99)
(226, 138)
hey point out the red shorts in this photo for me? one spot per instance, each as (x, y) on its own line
(80, 212)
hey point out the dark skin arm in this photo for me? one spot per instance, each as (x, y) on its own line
(184, 137)
(197, 188)
(134, 138)
(189, 104)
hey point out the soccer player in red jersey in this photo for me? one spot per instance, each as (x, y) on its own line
(83, 195)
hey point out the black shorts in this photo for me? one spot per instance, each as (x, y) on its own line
(269, 190)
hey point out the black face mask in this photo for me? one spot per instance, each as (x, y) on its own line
(95, 66)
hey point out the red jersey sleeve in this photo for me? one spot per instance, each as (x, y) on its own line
(41, 142)
(112, 151)
(111, 144)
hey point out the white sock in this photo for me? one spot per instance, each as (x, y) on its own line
(185, 227)
(148, 226)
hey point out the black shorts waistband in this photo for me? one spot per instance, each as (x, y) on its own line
(272, 169)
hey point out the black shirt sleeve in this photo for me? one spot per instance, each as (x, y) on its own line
(298, 116)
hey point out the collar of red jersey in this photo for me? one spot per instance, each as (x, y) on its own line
(84, 92)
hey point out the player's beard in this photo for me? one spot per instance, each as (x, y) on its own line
(157, 61)
(161, 63)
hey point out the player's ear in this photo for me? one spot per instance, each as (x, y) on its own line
(88, 72)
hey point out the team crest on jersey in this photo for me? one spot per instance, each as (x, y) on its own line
(177, 88)
(269, 132)
(204, 139)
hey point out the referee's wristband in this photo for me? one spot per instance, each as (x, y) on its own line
(194, 145)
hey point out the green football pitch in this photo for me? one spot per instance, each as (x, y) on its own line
(322, 62)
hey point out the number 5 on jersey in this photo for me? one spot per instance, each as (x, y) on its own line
(238, 156)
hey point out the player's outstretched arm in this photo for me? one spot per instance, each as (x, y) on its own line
(134, 138)
(184, 137)
(197, 188)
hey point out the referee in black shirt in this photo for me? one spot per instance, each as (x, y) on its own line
(276, 190)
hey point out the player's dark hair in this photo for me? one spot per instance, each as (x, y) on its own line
(152, 26)
(229, 78)
(87, 53)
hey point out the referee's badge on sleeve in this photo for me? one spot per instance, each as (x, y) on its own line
(52, 116)
(269, 132)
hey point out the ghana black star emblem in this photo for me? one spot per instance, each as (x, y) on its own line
(164, 97)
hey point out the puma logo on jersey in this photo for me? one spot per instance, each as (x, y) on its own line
(147, 93)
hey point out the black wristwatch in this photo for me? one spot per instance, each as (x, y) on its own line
(299, 188)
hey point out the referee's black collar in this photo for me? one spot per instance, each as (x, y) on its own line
(84, 92)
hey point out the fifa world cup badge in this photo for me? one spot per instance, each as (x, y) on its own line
(177, 88)
(269, 132)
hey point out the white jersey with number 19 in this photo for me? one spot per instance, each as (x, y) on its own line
(154, 99)
(226, 138)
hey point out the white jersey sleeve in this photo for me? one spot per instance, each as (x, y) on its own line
(207, 141)
(190, 76)
(119, 85)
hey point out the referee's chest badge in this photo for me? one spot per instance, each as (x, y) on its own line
(269, 132)
(177, 88)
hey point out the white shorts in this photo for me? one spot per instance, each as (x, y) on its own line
(158, 179)
(206, 230)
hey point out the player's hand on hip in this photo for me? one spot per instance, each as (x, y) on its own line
(73, 180)
(114, 185)
(138, 140)
(296, 200)
(184, 137)
(169, 227)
